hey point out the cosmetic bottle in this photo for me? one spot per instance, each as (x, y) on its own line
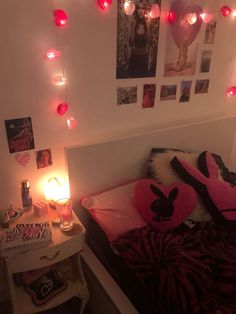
(26, 195)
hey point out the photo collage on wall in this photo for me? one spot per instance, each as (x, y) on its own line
(183, 49)
(187, 53)
(20, 138)
(137, 50)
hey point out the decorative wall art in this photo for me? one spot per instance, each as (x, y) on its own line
(168, 92)
(185, 91)
(22, 158)
(149, 93)
(182, 38)
(210, 32)
(126, 95)
(201, 86)
(206, 61)
(137, 41)
(19, 134)
(43, 158)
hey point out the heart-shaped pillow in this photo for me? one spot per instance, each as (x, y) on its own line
(164, 207)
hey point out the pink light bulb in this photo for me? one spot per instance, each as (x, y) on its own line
(62, 108)
(60, 17)
(104, 4)
(206, 17)
(225, 10)
(71, 123)
(155, 11)
(59, 80)
(231, 91)
(53, 54)
(171, 16)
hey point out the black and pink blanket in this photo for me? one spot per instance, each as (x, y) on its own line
(187, 271)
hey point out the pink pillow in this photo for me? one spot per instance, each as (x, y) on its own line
(113, 210)
(218, 196)
(164, 207)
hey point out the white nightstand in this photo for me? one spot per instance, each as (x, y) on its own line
(60, 248)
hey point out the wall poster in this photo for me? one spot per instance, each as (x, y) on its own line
(137, 41)
(183, 38)
(19, 134)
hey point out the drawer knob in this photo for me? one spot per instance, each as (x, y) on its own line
(50, 258)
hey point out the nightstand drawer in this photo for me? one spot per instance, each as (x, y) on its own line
(52, 254)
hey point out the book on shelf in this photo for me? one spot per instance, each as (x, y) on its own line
(24, 237)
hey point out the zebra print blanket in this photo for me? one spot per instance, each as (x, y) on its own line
(186, 271)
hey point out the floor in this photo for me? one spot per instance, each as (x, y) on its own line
(70, 306)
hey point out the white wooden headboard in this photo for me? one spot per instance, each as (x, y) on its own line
(96, 167)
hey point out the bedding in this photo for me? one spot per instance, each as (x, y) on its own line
(185, 270)
(174, 270)
(114, 211)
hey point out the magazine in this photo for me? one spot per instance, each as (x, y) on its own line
(25, 237)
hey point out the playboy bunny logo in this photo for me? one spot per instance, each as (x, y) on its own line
(163, 206)
(218, 196)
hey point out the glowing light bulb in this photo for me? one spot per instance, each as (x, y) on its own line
(191, 18)
(59, 80)
(206, 17)
(55, 189)
(104, 4)
(53, 54)
(231, 91)
(234, 13)
(60, 17)
(155, 11)
(62, 108)
(225, 10)
(129, 7)
(171, 16)
(71, 123)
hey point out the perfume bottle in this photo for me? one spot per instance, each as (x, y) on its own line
(26, 195)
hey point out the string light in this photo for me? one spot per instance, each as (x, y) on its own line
(60, 17)
(59, 80)
(206, 17)
(231, 91)
(129, 7)
(225, 10)
(171, 17)
(53, 54)
(71, 123)
(155, 11)
(191, 18)
(62, 108)
(104, 4)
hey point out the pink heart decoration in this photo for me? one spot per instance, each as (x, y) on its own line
(23, 159)
(165, 207)
(181, 30)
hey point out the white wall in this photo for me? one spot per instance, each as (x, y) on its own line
(88, 45)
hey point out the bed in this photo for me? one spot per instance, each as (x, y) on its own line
(115, 275)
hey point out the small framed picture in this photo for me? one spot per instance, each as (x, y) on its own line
(185, 91)
(168, 92)
(43, 158)
(201, 86)
(149, 93)
(126, 95)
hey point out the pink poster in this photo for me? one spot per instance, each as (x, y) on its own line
(183, 38)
